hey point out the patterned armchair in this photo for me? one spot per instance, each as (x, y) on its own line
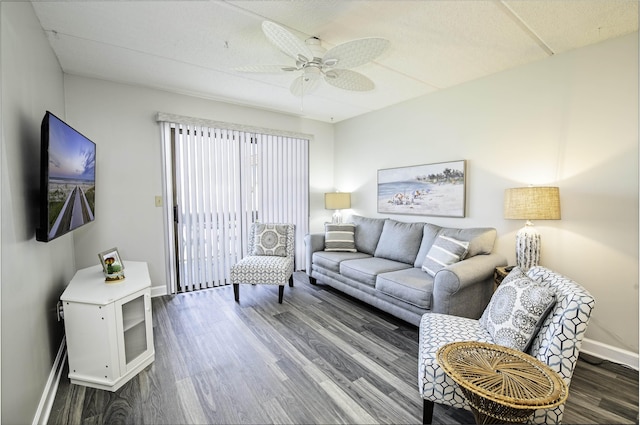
(270, 259)
(556, 342)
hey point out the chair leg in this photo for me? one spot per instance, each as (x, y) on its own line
(291, 281)
(280, 293)
(236, 292)
(427, 411)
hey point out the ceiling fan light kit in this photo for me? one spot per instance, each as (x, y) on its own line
(315, 63)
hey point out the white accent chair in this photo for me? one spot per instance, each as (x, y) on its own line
(556, 344)
(270, 258)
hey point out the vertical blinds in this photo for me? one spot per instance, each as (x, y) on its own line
(222, 180)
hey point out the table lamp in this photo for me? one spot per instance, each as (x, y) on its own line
(337, 201)
(530, 203)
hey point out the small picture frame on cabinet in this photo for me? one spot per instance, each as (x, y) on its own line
(112, 265)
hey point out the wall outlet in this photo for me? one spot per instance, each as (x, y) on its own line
(158, 201)
(59, 311)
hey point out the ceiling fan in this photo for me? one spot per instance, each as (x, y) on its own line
(313, 63)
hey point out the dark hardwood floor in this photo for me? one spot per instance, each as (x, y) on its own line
(320, 357)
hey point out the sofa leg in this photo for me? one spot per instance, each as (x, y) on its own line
(312, 280)
(291, 281)
(236, 292)
(280, 293)
(427, 411)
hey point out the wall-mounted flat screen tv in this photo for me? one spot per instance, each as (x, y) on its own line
(67, 179)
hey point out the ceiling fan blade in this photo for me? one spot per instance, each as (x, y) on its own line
(267, 69)
(285, 41)
(302, 85)
(349, 80)
(356, 52)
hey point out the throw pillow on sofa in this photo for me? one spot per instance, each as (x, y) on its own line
(516, 310)
(368, 232)
(270, 239)
(444, 251)
(399, 241)
(481, 239)
(339, 237)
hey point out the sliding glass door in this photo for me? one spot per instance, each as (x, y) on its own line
(222, 180)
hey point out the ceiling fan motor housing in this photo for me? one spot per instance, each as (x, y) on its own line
(316, 48)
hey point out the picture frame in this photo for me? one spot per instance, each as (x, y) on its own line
(437, 189)
(108, 259)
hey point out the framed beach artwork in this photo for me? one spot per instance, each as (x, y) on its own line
(430, 189)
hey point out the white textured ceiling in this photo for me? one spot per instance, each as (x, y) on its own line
(192, 47)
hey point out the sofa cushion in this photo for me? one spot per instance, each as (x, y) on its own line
(429, 234)
(399, 241)
(517, 310)
(339, 237)
(368, 232)
(444, 252)
(331, 260)
(412, 286)
(481, 239)
(367, 269)
(270, 239)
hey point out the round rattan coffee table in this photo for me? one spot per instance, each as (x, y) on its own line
(502, 385)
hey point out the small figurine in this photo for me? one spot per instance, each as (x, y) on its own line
(112, 266)
(114, 270)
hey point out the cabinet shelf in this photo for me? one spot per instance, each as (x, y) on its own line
(135, 342)
(133, 313)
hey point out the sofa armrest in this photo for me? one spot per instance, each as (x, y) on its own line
(313, 242)
(465, 288)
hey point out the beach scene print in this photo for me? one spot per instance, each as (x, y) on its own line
(72, 178)
(431, 189)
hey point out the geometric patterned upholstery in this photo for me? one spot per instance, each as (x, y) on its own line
(557, 343)
(265, 269)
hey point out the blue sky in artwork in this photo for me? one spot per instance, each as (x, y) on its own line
(71, 155)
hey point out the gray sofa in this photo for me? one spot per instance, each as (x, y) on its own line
(384, 268)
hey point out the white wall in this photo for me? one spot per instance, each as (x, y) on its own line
(570, 121)
(120, 119)
(34, 274)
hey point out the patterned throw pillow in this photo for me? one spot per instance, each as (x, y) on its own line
(443, 252)
(516, 311)
(339, 237)
(270, 239)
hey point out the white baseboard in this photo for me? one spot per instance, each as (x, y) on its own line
(158, 291)
(49, 394)
(608, 352)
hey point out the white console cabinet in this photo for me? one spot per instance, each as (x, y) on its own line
(108, 326)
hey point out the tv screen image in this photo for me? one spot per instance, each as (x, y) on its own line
(67, 180)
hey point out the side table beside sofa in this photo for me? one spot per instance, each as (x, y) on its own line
(500, 273)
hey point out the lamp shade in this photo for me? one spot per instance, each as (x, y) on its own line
(337, 200)
(532, 203)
